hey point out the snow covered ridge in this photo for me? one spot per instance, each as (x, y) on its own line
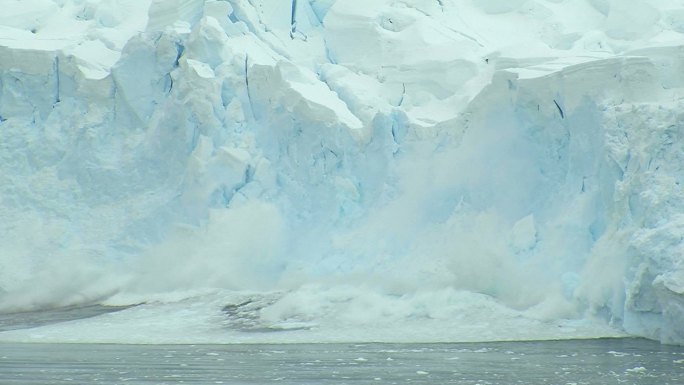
(516, 160)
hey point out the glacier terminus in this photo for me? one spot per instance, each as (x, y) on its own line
(343, 170)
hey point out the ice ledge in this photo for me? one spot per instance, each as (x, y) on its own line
(302, 94)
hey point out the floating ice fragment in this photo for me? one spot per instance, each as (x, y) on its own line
(637, 370)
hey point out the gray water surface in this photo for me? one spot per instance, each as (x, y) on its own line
(610, 361)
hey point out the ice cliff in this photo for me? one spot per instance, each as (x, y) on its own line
(528, 152)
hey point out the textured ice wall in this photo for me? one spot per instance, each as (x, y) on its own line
(167, 146)
(610, 166)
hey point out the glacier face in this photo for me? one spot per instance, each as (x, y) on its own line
(424, 162)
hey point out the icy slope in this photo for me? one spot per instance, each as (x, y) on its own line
(442, 164)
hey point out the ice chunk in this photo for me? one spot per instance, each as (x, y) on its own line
(303, 95)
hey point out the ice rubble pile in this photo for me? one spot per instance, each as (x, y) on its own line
(528, 150)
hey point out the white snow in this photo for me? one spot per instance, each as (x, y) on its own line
(459, 170)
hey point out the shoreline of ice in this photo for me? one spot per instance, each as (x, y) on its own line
(309, 317)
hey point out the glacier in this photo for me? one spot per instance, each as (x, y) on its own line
(377, 170)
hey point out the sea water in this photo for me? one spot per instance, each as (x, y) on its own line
(600, 361)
